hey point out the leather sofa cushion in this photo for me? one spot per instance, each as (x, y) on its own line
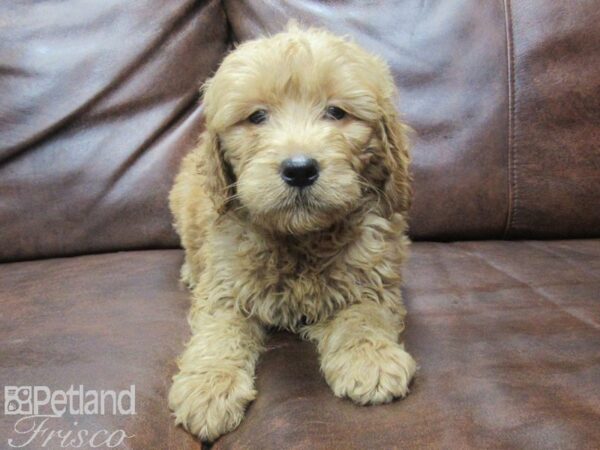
(440, 53)
(104, 322)
(504, 98)
(555, 119)
(98, 103)
(506, 335)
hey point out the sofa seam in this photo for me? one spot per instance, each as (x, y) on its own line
(512, 187)
(232, 39)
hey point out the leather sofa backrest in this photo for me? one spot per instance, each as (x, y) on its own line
(504, 98)
(98, 103)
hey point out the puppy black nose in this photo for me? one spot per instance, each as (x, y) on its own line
(299, 171)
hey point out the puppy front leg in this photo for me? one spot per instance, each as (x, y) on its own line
(216, 378)
(360, 354)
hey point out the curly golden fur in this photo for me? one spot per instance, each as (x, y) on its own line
(322, 260)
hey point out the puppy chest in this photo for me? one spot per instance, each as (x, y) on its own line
(292, 292)
(284, 282)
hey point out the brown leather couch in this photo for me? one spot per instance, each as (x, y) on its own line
(98, 103)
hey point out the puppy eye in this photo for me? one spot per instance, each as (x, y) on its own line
(258, 117)
(334, 113)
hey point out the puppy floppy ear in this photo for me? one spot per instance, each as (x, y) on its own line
(218, 174)
(396, 158)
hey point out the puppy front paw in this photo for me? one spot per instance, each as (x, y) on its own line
(370, 373)
(211, 403)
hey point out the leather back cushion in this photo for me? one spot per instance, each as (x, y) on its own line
(99, 102)
(504, 98)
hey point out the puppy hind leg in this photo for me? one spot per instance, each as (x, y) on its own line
(186, 275)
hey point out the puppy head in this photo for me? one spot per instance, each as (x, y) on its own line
(301, 130)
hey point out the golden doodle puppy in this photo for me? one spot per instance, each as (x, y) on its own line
(291, 211)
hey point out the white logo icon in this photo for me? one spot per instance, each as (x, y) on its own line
(18, 400)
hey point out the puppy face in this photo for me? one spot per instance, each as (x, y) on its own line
(301, 130)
